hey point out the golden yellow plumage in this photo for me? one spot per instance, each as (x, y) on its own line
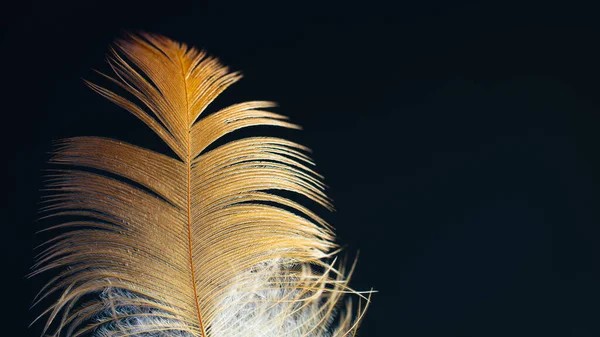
(193, 245)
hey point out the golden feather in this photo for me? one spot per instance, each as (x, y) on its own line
(193, 245)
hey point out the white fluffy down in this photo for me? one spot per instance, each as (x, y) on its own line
(267, 301)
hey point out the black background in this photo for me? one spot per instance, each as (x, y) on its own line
(458, 138)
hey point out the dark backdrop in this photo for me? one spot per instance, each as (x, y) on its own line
(458, 139)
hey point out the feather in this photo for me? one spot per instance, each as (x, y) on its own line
(197, 244)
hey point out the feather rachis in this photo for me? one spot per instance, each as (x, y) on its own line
(198, 246)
